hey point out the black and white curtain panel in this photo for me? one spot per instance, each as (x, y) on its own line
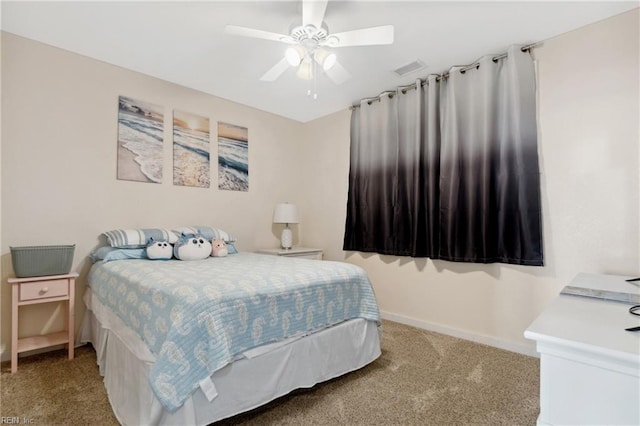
(449, 169)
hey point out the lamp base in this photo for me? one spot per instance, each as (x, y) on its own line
(286, 239)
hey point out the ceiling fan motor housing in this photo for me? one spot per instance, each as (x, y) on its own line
(302, 32)
(309, 36)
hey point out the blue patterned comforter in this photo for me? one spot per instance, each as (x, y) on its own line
(197, 316)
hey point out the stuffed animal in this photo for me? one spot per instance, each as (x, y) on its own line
(159, 249)
(192, 247)
(219, 248)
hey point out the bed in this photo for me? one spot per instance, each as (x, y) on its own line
(193, 342)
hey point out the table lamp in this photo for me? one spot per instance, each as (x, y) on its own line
(286, 213)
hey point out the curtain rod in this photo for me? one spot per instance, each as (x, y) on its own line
(439, 77)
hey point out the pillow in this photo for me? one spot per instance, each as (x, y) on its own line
(192, 247)
(107, 254)
(138, 238)
(159, 249)
(207, 232)
(231, 248)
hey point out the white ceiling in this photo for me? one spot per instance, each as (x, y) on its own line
(185, 43)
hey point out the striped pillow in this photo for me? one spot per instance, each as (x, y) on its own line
(137, 238)
(207, 232)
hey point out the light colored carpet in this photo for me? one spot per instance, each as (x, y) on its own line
(422, 378)
(48, 389)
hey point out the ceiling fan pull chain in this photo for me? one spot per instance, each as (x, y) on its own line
(315, 80)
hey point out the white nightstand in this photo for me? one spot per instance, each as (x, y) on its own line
(301, 252)
(30, 291)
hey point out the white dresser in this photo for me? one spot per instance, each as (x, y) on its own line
(589, 364)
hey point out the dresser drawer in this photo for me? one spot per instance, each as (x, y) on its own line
(43, 289)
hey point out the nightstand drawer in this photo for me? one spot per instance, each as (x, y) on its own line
(43, 290)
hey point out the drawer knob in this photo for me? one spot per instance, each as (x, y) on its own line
(43, 290)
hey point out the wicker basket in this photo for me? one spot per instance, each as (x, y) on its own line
(38, 261)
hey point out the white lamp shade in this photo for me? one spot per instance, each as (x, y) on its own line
(305, 70)
(329, 61)
(286, 213)
(325, 58)
(293, 55)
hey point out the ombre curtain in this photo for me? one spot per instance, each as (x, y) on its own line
(449, 170)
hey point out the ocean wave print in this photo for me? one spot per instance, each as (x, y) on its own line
(191, 162)
(233, 164)
(140, 131)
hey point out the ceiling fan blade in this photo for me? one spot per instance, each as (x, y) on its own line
(338, 74)
(276, 71)
(363, 37)
(313, 12)
(252, 32)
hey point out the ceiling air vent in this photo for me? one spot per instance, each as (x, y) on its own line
(410, 67)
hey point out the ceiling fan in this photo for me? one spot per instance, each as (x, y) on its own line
(312, 45)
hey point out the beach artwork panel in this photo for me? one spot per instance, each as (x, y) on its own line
(233, 157)
(140, 140)
(191, 149)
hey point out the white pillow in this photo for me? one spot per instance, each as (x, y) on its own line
(206, 231)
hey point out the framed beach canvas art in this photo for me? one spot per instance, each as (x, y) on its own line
(190, 150)
(140, 140)
(233, 157)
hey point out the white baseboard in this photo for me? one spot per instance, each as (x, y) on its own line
(462, 334)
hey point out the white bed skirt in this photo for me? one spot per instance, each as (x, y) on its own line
(249, 382)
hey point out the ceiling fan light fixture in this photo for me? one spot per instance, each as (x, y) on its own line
(305, 70)
(294, 56)
(329, 61)
(325, 58)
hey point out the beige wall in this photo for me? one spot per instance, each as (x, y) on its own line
(588, 145)
(59, 165)
(59, 186)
